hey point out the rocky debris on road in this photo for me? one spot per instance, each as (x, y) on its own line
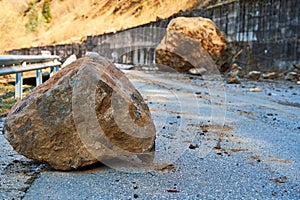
(193, 146)
(296, 66)
(235, 74)
(291, 76)
(254, 75)
(256, 89)
(197, 71)
(172, 190)
(87, 112)
(193, 43)
(16, 172)
(270, 75)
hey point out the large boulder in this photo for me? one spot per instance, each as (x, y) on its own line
(88, 111)
(190, 42)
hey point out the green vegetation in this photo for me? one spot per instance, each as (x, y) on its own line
(47, 12)
(7, 100)
(33, 18)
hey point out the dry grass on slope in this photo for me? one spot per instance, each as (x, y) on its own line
(73, 20)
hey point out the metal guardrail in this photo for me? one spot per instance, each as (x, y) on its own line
(15, 64)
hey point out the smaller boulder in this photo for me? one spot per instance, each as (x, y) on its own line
(270, 75)
(254, 75)
(235, 74)
(233, 80)
(257, 89)
(291, 76)
(297, 66)
(236, 69)
(197, 71)
(194, 42)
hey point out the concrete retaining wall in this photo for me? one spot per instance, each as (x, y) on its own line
(268, 32)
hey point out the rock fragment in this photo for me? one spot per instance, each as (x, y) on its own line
(270, 75)
(236, 72)
(254, 75)
(291, 76)
(255, 89)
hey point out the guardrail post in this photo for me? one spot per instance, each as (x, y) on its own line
(52, 71)
(19, 84)
(39, 77)
(57, 67)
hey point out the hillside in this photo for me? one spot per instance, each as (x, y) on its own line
(23, 23)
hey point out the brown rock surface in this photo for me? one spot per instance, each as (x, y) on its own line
(236, 72)
(291, 76)
(270, 75)
(87, 112)
(189, 42)
(254, 75)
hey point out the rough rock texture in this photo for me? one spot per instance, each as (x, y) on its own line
(236, 72)
(87, 112)
(254, 75)
(291, 76)
(270, 75)
(189, 41)
(197, 71)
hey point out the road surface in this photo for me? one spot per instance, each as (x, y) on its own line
(214, 141)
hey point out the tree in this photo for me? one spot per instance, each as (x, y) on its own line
(46, 12)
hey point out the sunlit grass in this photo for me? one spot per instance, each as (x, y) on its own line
(7, 97)
(73, 20)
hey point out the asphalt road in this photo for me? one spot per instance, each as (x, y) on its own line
(214, 141)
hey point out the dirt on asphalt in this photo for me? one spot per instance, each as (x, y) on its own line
(254, 154)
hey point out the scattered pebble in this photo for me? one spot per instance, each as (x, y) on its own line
(255, 89)
(193, 146)
(135, 185)
(198, 71)
(270, 75)
(172, 190)
(291, 76)
(279, 180)
(218, 145)
(233, 80)
(254, 75)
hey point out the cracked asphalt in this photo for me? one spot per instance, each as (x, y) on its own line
(214, 141)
